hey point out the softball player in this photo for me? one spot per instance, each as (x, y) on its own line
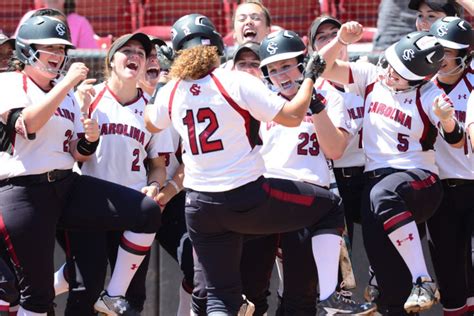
(449, 251)
(44, 135)
(430, 11)
(118, 106)
(402, 111)
(172, 235)
(300, 154)
(215, 112)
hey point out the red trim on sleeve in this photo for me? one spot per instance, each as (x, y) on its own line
(424, 117)
(245, 114)
(96, 101)
(396, 219)
(170, 102)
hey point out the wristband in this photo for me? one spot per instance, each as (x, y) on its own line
(455, 136)
(340, 40)
(85, 147)
(175, 185)
(158, 185)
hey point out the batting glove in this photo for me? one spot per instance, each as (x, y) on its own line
(314, 66)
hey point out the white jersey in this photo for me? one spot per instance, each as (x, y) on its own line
(50, 149)
(125, 143)
(399, 129)
(216, 119)
(293, 153)
(457, 163)
(353, 154)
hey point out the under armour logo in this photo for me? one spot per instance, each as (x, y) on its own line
(61, 29)
(408, 54)
(134, 266)
(442, 30)
(195, 89)
(410, 237)
(409, 101)
(464, 96)
(272, 48)
(139, 112)
(120, 306)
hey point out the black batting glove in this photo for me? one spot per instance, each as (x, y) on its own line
(318, 103)
(165, 55)
(314, 67)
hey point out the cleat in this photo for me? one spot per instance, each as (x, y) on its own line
(108, 305)
(337, 304)
(247, 308)
(423, 296)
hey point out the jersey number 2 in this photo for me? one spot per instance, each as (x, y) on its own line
(203, 115)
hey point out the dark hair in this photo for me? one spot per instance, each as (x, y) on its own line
(49, 12)
(268, 18)
(69, 7)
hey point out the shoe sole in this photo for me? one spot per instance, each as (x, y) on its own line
(102, 309)
(419, 308)
(338, 312)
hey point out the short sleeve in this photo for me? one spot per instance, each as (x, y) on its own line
(157, 112)
(362, 74)
(337, 111)
(160, 143)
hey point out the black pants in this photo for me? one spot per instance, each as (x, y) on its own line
(30, 215)
(450, 242)
(218, 222)
(390, 192)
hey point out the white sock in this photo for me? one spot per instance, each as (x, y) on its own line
(279, 265)
(127, 262)
(406, 240)
(60, 284)
(326, 252)
(24, 312)
(184, 306)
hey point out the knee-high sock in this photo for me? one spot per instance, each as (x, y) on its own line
(326, 252)
(403, 234)
(24, 312)
(133, 248)
(184, 307)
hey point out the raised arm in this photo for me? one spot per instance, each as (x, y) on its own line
(338, 70)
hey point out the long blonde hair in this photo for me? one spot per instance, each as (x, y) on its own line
(195, 62)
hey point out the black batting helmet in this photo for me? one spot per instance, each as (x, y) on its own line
(452, 32)
(42, 30)
(415, 56)
(194, 30)
(281, 45)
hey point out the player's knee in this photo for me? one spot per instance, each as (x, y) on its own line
(151, 216)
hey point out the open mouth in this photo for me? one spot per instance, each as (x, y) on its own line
(152, 73)
(250, 34)
(132, 65)
(286, 84)
(53, 64)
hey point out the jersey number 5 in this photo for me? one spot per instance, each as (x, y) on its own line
(203, 115)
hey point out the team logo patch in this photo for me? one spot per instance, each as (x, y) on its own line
(408, 54)
(61, 29)
(272, 48)
(442, 30)
(195, 89)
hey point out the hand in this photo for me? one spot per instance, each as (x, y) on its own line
(443, 108)
(165, 55)
(151, 191)
(76, 73)
(350, 32)
(314, 66)
(84, 94)
(318, 103)
(163, 198)
(91, 129)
